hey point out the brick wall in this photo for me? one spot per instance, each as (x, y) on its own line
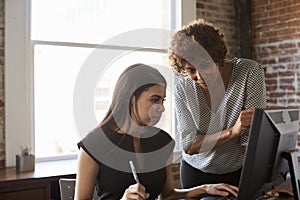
(276, 42)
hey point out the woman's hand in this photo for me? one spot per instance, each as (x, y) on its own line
(221, 189)
(276, 191)
(244, 121)
(135, 192)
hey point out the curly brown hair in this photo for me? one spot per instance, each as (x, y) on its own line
(206, 35)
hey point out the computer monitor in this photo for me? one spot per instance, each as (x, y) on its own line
(270, 153)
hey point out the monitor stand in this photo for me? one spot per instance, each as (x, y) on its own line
(292, 158)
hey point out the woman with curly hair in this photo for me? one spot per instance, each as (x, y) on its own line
(215, 98)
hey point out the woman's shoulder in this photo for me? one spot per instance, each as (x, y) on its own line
(158, 132)
(246, 63)
(97, 136)
(157, 139)
(185, 83)
(162, 135)
(98, 132)
(166, 135)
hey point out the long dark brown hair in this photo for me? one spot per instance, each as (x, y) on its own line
(133, 81)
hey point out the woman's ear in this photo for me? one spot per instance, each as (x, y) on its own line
(133, 100)
(133, 105)
(133, 108)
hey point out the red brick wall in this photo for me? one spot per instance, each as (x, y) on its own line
(276, 42)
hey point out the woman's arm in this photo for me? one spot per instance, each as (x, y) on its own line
(255, 97)
(191, 141)
(256, 89)
(170, 193)
(87, 171)
(186, 124)
(219, 138)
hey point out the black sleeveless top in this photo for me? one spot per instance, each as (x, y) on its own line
(113, 151)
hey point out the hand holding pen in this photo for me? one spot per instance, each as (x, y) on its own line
(137, 190)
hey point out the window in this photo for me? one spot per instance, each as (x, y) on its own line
(41, 84)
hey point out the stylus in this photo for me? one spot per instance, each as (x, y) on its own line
(134, 171)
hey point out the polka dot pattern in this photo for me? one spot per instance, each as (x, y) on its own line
(246, 89)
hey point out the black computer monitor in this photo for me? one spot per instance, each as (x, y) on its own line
(270, 153)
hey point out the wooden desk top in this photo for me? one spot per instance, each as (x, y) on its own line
(42, 171)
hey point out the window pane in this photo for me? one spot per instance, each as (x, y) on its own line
(56, 70)
(94, 21)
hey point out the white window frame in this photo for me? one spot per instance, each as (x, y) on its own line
(19, 103)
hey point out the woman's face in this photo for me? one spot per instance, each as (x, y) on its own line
(148, 108)
(205, 73)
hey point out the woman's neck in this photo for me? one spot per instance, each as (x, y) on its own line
(226, 71)
(134, 130)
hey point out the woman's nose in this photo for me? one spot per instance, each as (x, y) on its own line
(161, 108)
(195, 76)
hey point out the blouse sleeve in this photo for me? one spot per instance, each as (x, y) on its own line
(256, 89)
(185, 126)
(255, 95)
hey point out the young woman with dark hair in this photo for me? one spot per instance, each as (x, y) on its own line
(127, 133)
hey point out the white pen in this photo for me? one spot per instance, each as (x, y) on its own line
(134, 171)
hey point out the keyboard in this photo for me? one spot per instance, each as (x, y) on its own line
(231, 197)
(212, 197)
(266, 197)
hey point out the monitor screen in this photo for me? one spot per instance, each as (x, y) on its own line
(272, 133)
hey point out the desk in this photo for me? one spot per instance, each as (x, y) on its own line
(41, 184)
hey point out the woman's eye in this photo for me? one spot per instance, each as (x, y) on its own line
(154, 100)
(158, 100)
(191, 70)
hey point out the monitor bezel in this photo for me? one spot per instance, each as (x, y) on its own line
(250, 186)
